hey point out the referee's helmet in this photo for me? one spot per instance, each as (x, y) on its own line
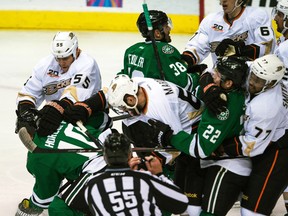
(117, 149)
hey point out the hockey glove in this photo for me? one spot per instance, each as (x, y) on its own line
(80, 111)
(51, 116)
(161, 133)
(199, 68)
(189, 58)
(28, 120)
(24, 120)
(232, 146)
(228, 47)
(212, 95)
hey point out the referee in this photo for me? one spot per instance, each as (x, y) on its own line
(119, 190)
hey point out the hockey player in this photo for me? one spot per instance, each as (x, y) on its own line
(237, 30)
(122, 191)
(140, 59)
(230, 74)
(280, 15)
(68, 75)
(50, 169)
(146, 98)
(265, 136)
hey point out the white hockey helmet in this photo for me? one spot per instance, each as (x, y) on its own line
(281, 6)
(269, 68)
(121, 86)
(64, 44)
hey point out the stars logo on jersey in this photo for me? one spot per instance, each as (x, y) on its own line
(223, 115)
(167, 49)
(53, 73)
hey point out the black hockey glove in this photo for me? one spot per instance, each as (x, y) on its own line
(161, 133)
(232, 146)
(189, 58)
(228, 47)
(80, 111)
(28, 120)
(199, 68)
(212, 95)
(26, 113)
(51, 116)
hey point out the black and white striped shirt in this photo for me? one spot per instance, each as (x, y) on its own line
(122, 192)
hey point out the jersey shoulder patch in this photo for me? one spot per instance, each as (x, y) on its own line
(168, 49)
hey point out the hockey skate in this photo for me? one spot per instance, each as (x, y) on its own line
(24, 209)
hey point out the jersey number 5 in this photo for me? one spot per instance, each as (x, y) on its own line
(122, 200)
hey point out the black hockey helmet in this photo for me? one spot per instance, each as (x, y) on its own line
(233, 68)
(158, 19)
(117, 148)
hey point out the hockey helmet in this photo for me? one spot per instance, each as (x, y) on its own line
(269, 68)
(233, 68)
(121, 86)
(281, 6)
(64, 44)
(117, 148)
(158, 19)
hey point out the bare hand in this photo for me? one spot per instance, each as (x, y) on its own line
(153, 165)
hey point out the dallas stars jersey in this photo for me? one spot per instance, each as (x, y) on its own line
(140, 61)
(252, 26)
(50, 169)
(48, 82)
(212, 130)
(282, 52)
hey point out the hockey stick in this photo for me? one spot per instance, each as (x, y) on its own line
(33, 148)
(121, 117)
(84, 130)
(151, 33)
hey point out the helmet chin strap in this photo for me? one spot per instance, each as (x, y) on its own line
(235, 6)
(284, 26)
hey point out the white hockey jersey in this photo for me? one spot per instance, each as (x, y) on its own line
(168, 103)
(282, 52)
(48, 82)
(253, 26)
(266, 120)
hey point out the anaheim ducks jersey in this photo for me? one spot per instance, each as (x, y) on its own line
(140, 61)
(282, 52)
(48, 82)
(266, 120)
(168, 103)
(252, 26)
